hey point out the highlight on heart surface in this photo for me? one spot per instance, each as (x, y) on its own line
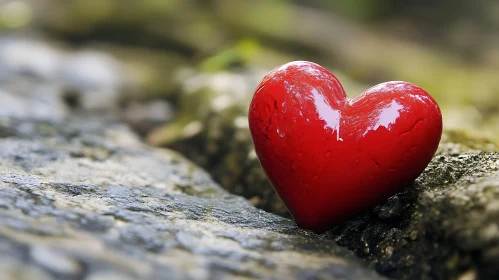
(328, 156)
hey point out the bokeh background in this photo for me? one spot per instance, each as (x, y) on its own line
(182, 72)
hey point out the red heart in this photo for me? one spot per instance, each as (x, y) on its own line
(328, 156)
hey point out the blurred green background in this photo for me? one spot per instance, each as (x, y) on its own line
(450, 48)
(204, 59)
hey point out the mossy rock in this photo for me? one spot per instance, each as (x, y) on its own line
(443, 226)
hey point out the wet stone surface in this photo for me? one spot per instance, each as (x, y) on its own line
(84, 199)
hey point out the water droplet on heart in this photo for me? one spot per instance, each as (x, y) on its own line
(281, 134)
(300, 155)
(315, 177)
(327, 154)
(294, 166)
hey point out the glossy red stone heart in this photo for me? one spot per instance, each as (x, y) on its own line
(328, 156)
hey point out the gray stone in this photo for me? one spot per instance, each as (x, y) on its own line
(85, 198)
(54, 261)
(94, 77)
(211, 128)
(28, 56)
(88, 79)
(147, 116)
(43, 103)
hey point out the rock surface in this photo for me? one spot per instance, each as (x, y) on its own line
(444, 226)
(89, 79)
(82, 198)
(212, 130)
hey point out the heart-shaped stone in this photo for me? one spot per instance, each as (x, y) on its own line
(329, 157)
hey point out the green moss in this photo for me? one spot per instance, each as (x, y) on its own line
(207, 210)
(470, 140)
